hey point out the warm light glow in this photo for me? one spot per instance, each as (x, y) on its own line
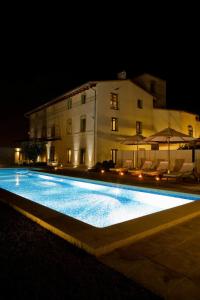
(140, 176)
(17, 149)
(17, 179)
(75, 158)
(157, 178)
(55, 168)
(121, 173)
(102, 171)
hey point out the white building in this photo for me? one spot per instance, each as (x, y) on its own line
(88, 123)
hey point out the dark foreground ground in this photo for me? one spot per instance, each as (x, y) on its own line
(35, 264)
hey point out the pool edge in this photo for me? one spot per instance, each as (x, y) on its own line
(100, 241)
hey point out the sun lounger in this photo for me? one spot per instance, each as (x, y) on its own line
(147, 165)
(126, 165)
(187, 170)
(161, 168)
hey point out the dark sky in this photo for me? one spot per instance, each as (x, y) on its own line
(44, 61)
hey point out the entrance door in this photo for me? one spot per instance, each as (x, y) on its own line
(82, 156)
(52, 153)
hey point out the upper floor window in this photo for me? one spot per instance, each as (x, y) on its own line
(190, 130)
(154, 103)
(53, 130)
(83, 98)
(114, 124)
(114, 103)
(44, 131)
(35, 133)
(69, 103)
(83, 124)
(153, 86)
(138, 127)
(139, 103)
(69, 126)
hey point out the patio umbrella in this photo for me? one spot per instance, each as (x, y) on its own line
(168, 136)
(136, 139)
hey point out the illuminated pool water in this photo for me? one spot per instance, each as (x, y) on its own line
(96, 203)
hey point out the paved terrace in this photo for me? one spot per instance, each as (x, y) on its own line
(167, 263)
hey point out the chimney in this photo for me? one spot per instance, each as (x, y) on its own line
(121, 75)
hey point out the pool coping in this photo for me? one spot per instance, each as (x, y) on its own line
(100, 241)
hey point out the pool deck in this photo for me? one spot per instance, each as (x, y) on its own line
(167, 260)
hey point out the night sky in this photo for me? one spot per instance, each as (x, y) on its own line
(46, 61)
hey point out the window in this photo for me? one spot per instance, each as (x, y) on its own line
(114, 124)
(154, 103)
(138, 127)
(53, 130)
(83, 124)
(114, 155)
(82, 156)
(35, 133)
(155, 147)
(69, 156)
(140, 103)
(44, 131)
(153, 86)
(69, 126)
(52, 153)
(83, 98)
(69, 103)
(114, 101)
(190, 130)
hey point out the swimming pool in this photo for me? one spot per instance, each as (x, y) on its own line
(96, 203)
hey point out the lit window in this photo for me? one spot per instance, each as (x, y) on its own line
(114, 155)
(83, 98)
(114, 104)
(69, 103)
(190, 130)
(140, 103)
(69, 156)
(138, 127)
(114, 124)
(83, 124)
(69, 126)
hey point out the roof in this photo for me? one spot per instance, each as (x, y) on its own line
(77, 90)
(72, 92)
(177, 110)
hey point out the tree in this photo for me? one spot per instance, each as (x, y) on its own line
(32, 149)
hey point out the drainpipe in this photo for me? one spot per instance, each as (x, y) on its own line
(95, 96)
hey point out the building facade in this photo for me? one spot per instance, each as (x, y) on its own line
(88, 124)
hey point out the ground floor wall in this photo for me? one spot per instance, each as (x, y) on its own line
(154, 155)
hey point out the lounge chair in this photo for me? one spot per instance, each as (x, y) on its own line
(128, 163)
(159, 171)
(187, 170)
(147, 165)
